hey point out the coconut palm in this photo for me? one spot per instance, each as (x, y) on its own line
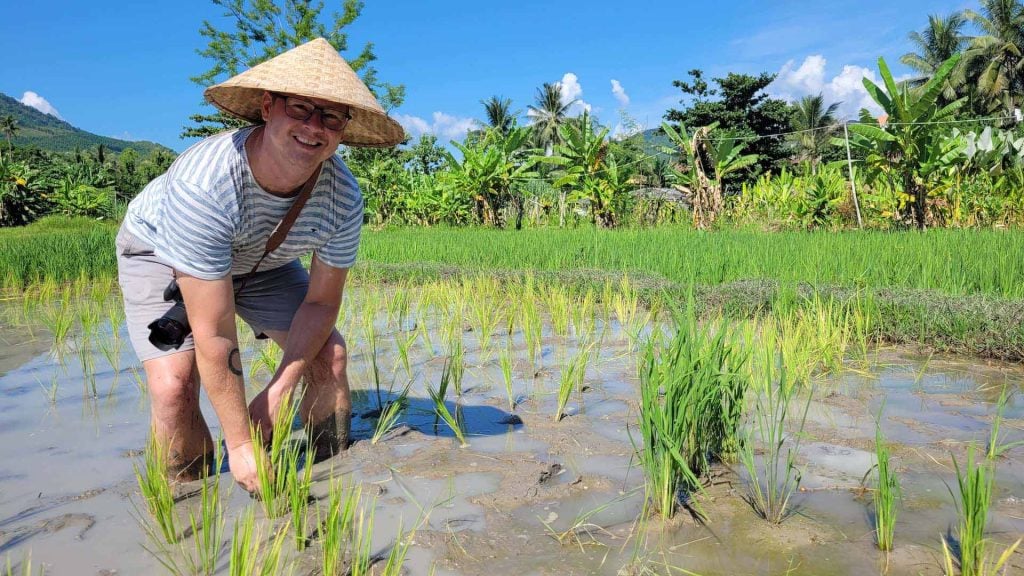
(548, 115)
(996, 58)
(499, 115)
(814, 124)
(940, 40)
(9, 126)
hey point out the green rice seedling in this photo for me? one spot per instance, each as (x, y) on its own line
(50, 390)
(265, 360)
(441, 410)
(558, 305)
(207, 527)
(58, 318)
(272, 472)
(976, 482)
(111, 350)
(457, 363)
(24, 568)
(361, 552)
(422, 324)
(337, 524)
(691, 394)
(392, 565)
(156, 490)
(88, 319)
(995, 448)
(572, 379)
(115, 316)
(250, 554)
(398, 306)
(391, 413)
(862, 322)
(771, 486)
(139, 380)
(297, 487)
(403, 342)
(532, 331)
(998, 567)
(505, 359)
(88, 365)
(887, 490)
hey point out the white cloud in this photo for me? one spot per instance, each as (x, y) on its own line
(444, 126)
(39, 103)
(620, 93)
(571, 90)
(809, 78)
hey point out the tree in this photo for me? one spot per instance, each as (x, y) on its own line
(740, 106)
(490, 171)
(909, 144)
(940, 41)
(262, 30)
(426, 155)
(996, 59)
(9, 126)
(499, 114)
(814, 124)
(548, 114)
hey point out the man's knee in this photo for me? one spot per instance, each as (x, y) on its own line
(174, 393)
(332, 360)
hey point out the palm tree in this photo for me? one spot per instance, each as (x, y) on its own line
(499, 115)
(548, 116)
(996, 59)
(814, 123)
(940, 41)
(9, 126)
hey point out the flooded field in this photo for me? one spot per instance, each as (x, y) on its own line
(546, 479)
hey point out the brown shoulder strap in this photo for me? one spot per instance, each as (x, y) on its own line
(281, 230)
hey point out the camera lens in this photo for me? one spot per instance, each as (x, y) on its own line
(170, 330)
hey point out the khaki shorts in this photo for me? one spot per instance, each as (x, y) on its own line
(268, 301)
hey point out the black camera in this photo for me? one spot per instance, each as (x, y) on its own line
(170, 330)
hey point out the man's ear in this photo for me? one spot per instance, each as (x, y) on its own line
(265, 105)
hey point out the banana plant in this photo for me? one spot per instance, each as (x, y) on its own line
(491, 171)
(906, 146)
(704, 164)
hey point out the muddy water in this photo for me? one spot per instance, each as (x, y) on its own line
(527, 496)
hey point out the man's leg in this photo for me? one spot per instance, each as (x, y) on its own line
(326, 401)
(178, 424)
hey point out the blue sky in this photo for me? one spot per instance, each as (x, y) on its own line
(122, 69)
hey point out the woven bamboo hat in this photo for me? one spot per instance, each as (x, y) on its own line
(315, 70)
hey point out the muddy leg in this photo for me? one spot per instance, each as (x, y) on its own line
(327, 403)
(176, 419)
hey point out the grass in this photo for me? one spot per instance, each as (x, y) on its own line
(690, 393)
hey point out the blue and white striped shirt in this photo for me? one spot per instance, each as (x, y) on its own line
(208, 217)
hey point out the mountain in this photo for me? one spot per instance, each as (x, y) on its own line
(46, 132)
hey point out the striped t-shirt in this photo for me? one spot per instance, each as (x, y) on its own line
(208, 217)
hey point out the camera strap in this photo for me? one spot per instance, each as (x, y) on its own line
(281, 230)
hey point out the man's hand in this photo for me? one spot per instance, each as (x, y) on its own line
(242, 460)
(264, 407)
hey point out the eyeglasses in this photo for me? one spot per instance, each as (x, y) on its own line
(299, 109)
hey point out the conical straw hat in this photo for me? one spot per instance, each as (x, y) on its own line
(315, 70)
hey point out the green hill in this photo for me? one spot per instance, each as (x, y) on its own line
(39, 130)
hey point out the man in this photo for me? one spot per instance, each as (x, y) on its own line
(206, 222)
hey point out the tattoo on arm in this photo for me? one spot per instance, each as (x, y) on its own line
(235, 362)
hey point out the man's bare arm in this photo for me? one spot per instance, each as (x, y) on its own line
(210, 306)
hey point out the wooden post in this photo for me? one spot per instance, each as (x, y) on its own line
(853, 181)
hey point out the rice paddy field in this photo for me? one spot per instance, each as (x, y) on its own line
(557, 402)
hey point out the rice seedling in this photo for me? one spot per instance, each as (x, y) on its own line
(24, 568)
(111, 350)
(251, 555)
(337, 524)
(887, 490)
(391, 413)
(88, 319)
(139, 380)
(441, 409)
(532, 331)
(456, 363)
(486, 315)
(997, 567)
(398, 307)
(58, 318)
(558, 305)
(995, 449)
(361, 552)
(265, 360)
(572, 379)
(422, 324)
(505, 360)
(395, 559)
(976, 482)
(207, 527)
(691, 398)
(50, 390)
(582, 531)
(403, 342)
(297, 487)
(772, 485)
(276, 471)
(156, 490)
(88, 365)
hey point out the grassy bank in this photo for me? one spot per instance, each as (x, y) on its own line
(56, 248)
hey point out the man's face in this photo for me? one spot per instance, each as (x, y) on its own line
(307, 142)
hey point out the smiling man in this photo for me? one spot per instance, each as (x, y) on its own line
(201, 232)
